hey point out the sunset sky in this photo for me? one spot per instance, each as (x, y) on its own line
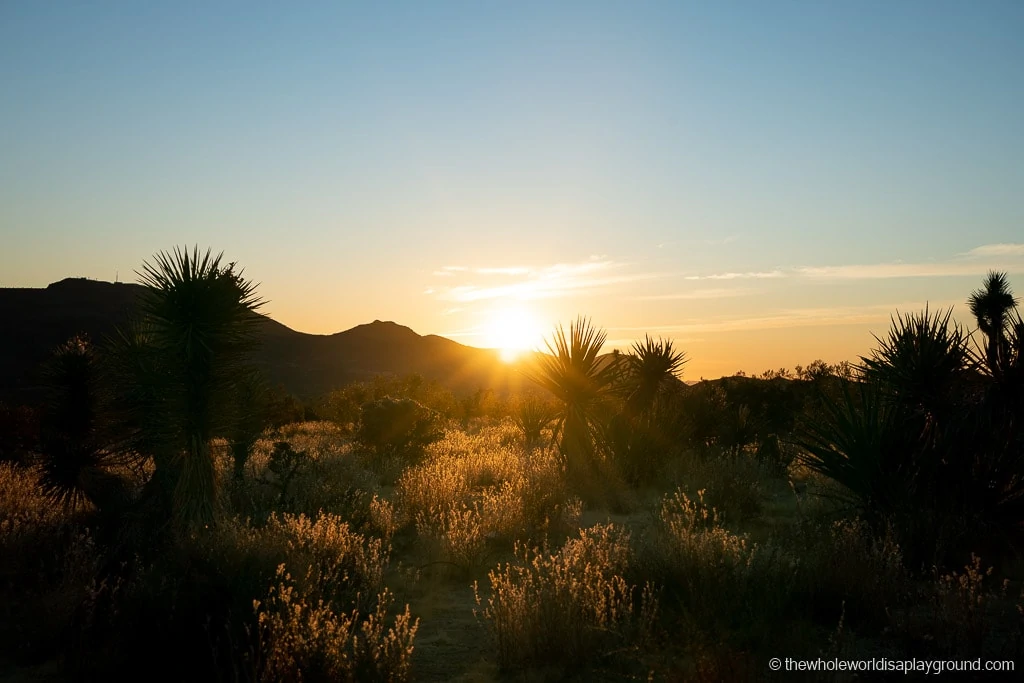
(765, 182)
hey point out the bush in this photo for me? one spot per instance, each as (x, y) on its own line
(931, 442)
(569, 607)
(19, 432)
(532, 416)
(963, 615)
(397, 428)
(304, 641)
(733, 485)
(846, 569)
(519, 495)
(712, 576)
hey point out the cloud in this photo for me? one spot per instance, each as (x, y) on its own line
(1003, 249)
(891, 270)
(556, 280)
(449, 271)
(975, 262)
(757, 275)
(514, 270)
(696, 294)
(803, 317)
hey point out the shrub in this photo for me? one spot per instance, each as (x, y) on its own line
(520, 494)
(709, 574)
(773, 457)
(328, 477)
(333, 562)
(847, 564)
(532, 415)
(300, 640)
(930, 443)
(49, 566)
(397, 427)
(963, 615)
(19, 432)
(569, 607)
(733, 485)
(458, 534)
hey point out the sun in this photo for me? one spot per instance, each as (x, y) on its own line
(512, 330)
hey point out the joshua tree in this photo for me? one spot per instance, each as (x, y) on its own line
(180, 367)
(581, 383)
(993, 307)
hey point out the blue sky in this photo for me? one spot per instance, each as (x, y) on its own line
(766, 182)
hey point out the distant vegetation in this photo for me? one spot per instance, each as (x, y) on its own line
(169, 513)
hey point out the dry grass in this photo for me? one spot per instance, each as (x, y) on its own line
(688, 574)
(304, 640)
(963, 615)
(473, 489)
(569, 607)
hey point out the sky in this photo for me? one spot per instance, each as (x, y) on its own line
(765, 183)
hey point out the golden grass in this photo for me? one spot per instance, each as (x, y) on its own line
(565, 607)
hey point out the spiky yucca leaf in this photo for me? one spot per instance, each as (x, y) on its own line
(924, 359)
(199, 324)
(581, 382)
(72, 462)
(650, 367)
(868, 445)
(532, 416)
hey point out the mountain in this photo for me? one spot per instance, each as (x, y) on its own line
(308, 365)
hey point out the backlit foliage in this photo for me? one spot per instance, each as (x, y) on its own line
(569, 606)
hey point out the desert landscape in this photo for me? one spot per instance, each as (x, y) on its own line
(511, 341)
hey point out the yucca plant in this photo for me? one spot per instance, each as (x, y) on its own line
(179, 368)
(650, 369)
(581, 382)
(995, 310)
(924, 359)
(72, 459)
(532, 416)
(869, 445)
(993, 306)
(636, 435)
(931, 442)
(252, 417)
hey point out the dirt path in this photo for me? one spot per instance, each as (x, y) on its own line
(451, 645)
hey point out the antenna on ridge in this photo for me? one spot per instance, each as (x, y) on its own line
(116, 274)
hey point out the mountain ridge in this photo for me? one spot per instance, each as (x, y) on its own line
(305, 364)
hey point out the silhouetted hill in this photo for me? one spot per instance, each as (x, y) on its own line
(37, 320)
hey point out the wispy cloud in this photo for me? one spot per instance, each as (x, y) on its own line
(787, 318)
(890, 270)
(513, 270)
(696, 294)
(449, 271)
(756, 275)
(1003, 249)
(977, 261)
(559, 279)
